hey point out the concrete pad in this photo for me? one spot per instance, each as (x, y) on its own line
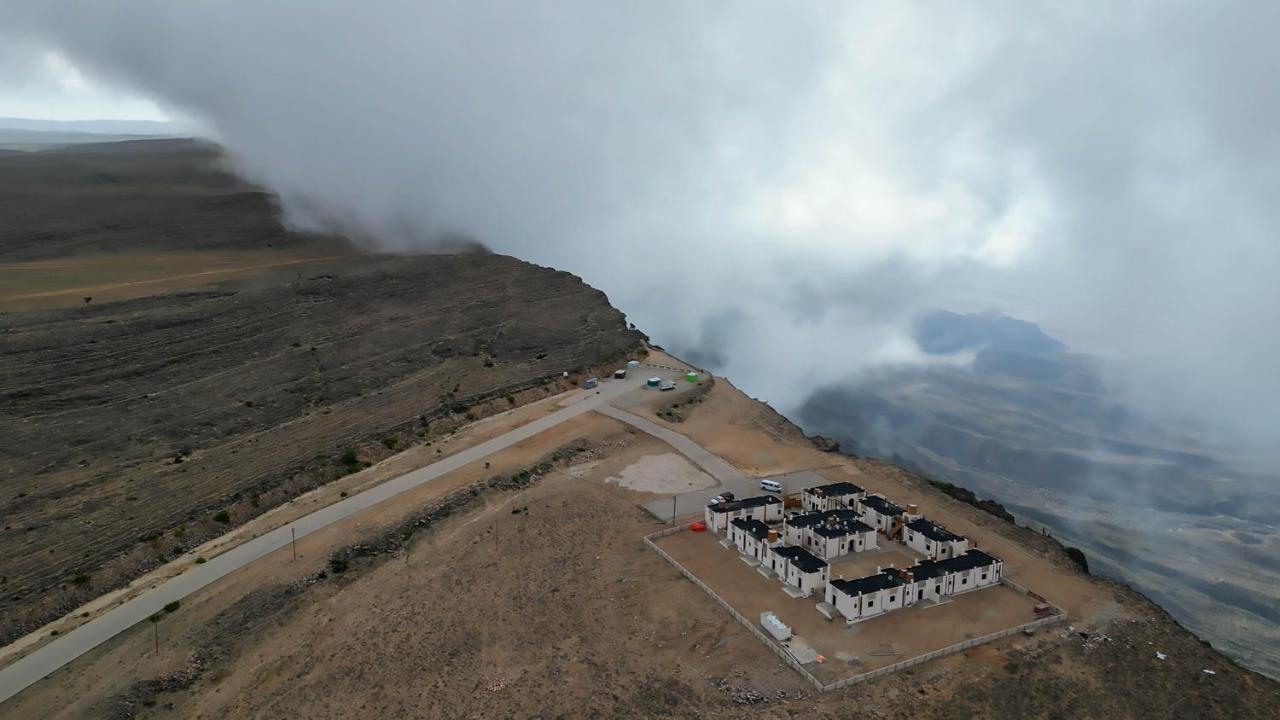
(801, 650)
(766, 572)
(748, 560)
(793, 591)
(828, 610)
(726, 542)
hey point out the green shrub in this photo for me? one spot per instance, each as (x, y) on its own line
(170, 607)
(348, 457)
(222, 516)
(390, 442)
(201, 561)
(80, 579)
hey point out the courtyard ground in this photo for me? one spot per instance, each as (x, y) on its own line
(867, 645)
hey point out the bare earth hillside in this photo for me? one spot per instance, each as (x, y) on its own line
(536, 598)
(124, 420)
(152, 435)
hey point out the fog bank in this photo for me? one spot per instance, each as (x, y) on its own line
(776, 190)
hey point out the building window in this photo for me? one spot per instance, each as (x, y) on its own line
(964, 581)
(871, 603)
(984, 576)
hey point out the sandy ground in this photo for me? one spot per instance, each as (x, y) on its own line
(748, 434)
(663, 474)
(65, 282)
(468, 593)
(908, 632)
(560, 611)
(412, 458)
(862, 564)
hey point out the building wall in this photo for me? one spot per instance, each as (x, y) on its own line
(876, 520)
(920, 544)
(794, 535)
(809, 583)
(812, 503)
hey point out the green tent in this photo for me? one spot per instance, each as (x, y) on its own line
(691, 376)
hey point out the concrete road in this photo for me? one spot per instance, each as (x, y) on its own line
(713, 464)
(691, 503)
(26, 671)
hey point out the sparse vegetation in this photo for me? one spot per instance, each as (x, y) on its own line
(222, 516)
(390, 442)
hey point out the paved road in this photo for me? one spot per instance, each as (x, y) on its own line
(25, 672)
(691, 503)
(713, 464)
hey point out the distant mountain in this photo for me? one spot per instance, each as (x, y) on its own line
(943, 332)
(27, 134)
(153, 128)
(1040, 429)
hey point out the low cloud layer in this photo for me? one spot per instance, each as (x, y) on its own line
(778, 189)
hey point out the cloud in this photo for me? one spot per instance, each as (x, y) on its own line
(779, 189)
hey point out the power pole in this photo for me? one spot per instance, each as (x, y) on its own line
(673, 508)
(155, 624)
(293, 532)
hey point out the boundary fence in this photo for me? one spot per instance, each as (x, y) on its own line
(1058, 615)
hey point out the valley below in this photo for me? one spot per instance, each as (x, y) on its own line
(1037, 428)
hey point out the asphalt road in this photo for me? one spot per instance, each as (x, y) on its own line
(713, 464)
(30, 669)
(691, 503)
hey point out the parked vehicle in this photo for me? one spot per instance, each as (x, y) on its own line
(771, 486)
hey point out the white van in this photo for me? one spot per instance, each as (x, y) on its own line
(771, 486)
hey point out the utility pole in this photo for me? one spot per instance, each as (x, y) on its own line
(293, 532)
(155, 623)
(673, 508)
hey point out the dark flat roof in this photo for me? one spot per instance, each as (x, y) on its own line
(928, 569)
(753, 527)
(872, 583)
(840, 529)
(817, 518)
(933, 531)
(837, 489)
(973, 559)
(801, 558)
(881, 505)
(745, 503)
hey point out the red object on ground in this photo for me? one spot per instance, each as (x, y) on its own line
(698, 527)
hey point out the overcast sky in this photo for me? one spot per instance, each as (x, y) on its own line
(778, 187)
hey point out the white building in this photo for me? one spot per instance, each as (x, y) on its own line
(933, 541)
(926, 580)
(869, 596)
(829, 534)
(836, 496)
(798, 568)
(752, 537)
(973, 570)
(765, 508)
(881, 513)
